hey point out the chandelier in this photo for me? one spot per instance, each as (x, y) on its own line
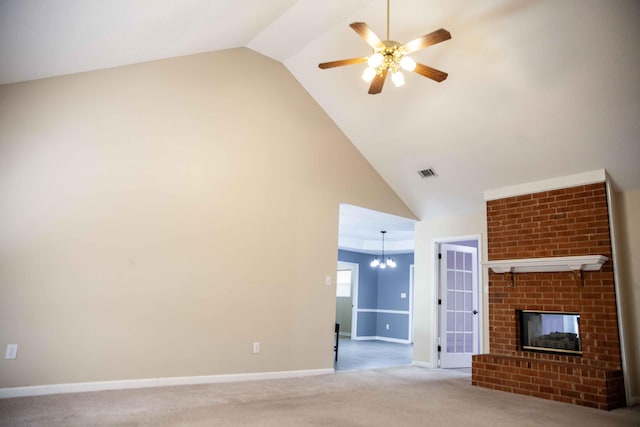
(388, 262)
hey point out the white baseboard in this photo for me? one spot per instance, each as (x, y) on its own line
(422, 364)
(40, 390)
(369, 338)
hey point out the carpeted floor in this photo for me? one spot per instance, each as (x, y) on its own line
(403, 396)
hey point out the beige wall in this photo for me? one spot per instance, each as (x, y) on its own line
(159, 218)
(627, 232)
(427, 232)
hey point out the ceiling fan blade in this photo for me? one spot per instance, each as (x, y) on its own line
(426, 41)
(377, 83)
(431, 73)
(366, 33)
(342, 62)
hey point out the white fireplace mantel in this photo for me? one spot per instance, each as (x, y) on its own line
(547, 265)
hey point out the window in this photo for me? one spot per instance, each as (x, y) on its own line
(343, 283)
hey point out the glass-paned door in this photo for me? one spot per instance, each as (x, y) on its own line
(458, 312)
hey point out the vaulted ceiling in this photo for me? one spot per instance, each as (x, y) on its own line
(536, 89)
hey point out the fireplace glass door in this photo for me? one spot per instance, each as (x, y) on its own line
(550, 331)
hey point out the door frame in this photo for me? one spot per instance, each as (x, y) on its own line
(435, 246)
(411, 285)
(355, 280)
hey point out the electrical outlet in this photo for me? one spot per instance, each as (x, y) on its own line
(256, 347)
(403, 295)
(12, 351)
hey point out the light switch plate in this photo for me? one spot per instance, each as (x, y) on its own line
(327, 280)
(403, 295)
(12, 351)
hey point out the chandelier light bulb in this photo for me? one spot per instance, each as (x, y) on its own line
(383, 266)
(375, 262)
(368, 74)
(375, 60)
(407, 63)
(397, 78)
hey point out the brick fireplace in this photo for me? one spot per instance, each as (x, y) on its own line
(560, 223)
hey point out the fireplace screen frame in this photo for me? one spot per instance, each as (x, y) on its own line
(527, 343)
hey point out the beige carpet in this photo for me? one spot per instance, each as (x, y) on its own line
(404, 396)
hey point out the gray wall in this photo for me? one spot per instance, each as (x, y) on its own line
(398, 325)
(393, 282)
(381, 290)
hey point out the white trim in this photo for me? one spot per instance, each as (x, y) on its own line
(377, 310)
(547, 185)
(40, 390)
(549, 265)
(422, 364)
(354, 298)
(388, 339)
(435, 323)
(355, 280)
(411, 286)
(484, 310)
(616, 275)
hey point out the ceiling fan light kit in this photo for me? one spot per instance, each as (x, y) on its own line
(390, 56)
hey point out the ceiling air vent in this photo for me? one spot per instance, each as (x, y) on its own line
(426, 173)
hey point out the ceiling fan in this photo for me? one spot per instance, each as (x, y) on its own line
(389, 56)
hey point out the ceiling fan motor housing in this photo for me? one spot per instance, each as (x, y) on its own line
(391, 54)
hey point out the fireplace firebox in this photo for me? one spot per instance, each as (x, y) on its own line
(551, 332)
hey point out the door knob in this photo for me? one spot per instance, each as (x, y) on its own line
(475, 311)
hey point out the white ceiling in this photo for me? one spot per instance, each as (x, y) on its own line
(536, 89)
(360, 231)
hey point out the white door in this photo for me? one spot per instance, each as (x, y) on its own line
(458, 305)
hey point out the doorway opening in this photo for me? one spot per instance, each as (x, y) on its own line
(378, 329)
(371, 338)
